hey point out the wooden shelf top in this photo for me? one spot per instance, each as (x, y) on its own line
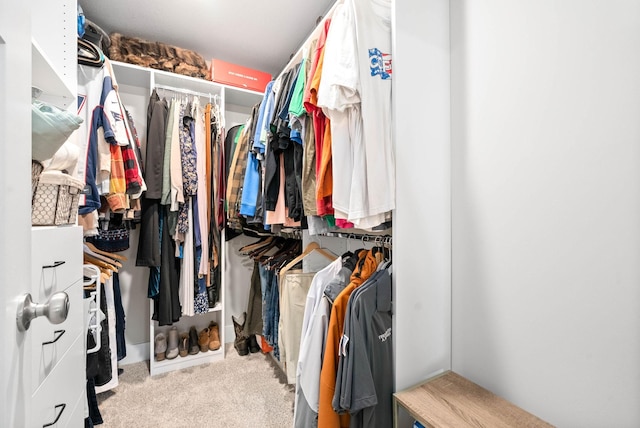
(450, 400)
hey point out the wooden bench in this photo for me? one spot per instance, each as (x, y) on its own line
(450, 400)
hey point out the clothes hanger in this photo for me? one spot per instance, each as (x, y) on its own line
(100, 256)
(262, 251)
(290, 249)
(105, 253)
(100, 263)
(265, 240)
(89, 54)
(311, 247)
(105, 272)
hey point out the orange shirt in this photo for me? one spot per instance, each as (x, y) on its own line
(324, 182)
(310, 101)
(324, 175)
(327, 417)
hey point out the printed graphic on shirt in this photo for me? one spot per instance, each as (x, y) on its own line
(384, 336)
(380, 64)
(117, 117)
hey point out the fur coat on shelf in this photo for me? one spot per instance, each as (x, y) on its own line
(157, 55)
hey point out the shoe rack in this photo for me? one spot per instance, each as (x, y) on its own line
(200, 322)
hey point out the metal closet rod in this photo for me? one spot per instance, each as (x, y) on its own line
(365, 237)
(297, 57)
(187, 91)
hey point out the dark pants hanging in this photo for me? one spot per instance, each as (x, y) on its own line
(167, 308)
(253, 324)
(121, 343)
(95, 418)
(103, 356)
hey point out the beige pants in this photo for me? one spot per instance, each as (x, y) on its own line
(293, 287)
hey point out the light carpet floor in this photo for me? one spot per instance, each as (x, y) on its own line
(238, 392)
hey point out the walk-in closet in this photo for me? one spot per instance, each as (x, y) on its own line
(331, 214)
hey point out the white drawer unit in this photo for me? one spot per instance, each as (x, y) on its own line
(50, 342)
(56, 260)
(59, 393)
(76, 415)
(58, 352)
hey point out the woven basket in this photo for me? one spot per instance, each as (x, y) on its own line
(36, 170)
(56, 198)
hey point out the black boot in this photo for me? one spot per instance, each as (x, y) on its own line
(212, 295)
(194, 348)
(253, 344)
(242, 342)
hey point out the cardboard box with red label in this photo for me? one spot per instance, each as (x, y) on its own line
(237, 75)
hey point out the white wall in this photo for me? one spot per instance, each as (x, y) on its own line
(545, 133)
(238, 269)
(422, 220)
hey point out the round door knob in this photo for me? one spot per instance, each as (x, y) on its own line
(56, 310)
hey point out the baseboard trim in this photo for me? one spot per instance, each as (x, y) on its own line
(229, 334)
(135, 354)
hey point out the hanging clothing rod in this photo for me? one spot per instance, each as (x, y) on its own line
(364, 237)
(209, 95)
(297, 57)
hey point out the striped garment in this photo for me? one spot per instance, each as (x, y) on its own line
(116, 198)
(131, 170)
(236, 174)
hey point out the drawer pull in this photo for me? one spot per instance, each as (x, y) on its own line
(56, 310)
(58, 334)
(61, 407)
(54, 265)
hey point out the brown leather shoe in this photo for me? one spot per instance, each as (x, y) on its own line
(203, 340)
(214, 336)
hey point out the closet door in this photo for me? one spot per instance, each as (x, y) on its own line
(15, 206)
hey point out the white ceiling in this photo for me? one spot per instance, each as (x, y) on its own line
(260, 34)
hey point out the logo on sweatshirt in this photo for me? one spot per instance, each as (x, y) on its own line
(117, 117)
(81, 102)
(384, 336)
(380, 64)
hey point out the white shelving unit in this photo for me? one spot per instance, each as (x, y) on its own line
(59, 351)
(55, 88)
(135, 84)
(200, 322)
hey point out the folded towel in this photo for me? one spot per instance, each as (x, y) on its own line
(50, 128)
(65, 159)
